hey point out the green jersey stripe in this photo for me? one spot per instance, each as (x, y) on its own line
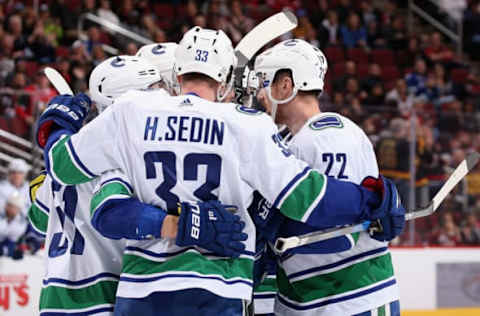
(267, 285)
(381, 311)
(38, 218)
(190, 262)
(107, 191)
(355, 236)
(56, 297)
(63, 166)
(303, 196)
(354, 277)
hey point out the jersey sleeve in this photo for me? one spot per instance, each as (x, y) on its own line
(40, 208)
(81, 157)
(116, 213)
(298, 191)
(112, 185)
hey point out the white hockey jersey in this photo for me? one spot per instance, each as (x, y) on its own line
(82, 267)
(186, 148)
(352, 281)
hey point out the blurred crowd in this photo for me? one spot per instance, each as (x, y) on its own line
(391, 82)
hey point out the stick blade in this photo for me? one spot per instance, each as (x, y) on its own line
(271, 28)
(472, 160)
(458, 174)
(57, 81)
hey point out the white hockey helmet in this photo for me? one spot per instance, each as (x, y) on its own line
(306, 62)
(116, 75)
(162, 56)
(207, 52)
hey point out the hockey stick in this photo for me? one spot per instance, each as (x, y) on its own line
(269, 29)
(57, 81)
(283, 244)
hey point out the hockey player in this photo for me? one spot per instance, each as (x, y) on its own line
(162, 56)
(359, 281)
(83, 267)
(192, 148)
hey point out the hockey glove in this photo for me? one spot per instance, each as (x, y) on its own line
(267, 219)
(390, 215)
(63, 112)
(211, 225)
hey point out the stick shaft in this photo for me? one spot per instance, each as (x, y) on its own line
(283, 244)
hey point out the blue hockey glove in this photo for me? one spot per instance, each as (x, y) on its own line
(63, 112)
(212, 226)
(267, 220)
(390, 215)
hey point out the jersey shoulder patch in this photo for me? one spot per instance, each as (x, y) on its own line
(326, 122)
(246, 110)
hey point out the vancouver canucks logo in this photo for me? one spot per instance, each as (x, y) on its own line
(247, 110)
(158, 50)
(325, 122)
(118, 62)
(291, 42)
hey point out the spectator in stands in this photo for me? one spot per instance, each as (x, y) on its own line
(443, 84)
(368, 13)
(392, 155)
(20, 46)
(15, 182)
(470, 232)
(438, 51)
(352, 89)
(239, 20)
(353, 34)
(448, 234)
(417, 79)
(93, 39)
(41, 45)
(105, 12)
(399, 95)
(373, 78)
(12, 226)
(472, 31)
(131, 49)
(79, 52)
(41, 92)
(376, 96)
(396, 33)
(331, 26)
(343, 10)
(375, 36)
(350, 72)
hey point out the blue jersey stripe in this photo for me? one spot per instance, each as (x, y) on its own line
(339, 299)
(338, 263)
(171, 254)
(289, 186)
(43, 206)
(73, 313)
(263, 296)
(78, 161)
(183, 275)
(81, 282)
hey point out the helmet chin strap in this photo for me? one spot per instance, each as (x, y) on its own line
(229, 87)
(276, 102)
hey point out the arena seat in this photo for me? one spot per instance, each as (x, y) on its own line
(334, 54)
(358, 55)
(459, 75)
(390, 73)
(383, 57)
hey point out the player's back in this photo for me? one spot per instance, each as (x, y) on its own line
(82, 267)
(337, 147)
(186, 149)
